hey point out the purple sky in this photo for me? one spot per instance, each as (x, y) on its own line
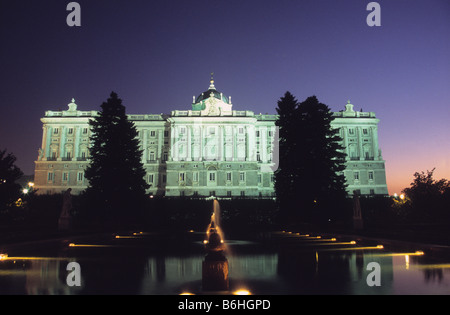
(157, 54)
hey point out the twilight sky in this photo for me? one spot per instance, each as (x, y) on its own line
(157, 54)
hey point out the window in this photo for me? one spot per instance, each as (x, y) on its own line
(241, 130)
(211, 178)
(258, 157)
(351, 131)
(242, 193)
(370, 174)
(150, 179)
(228, 176)
(70, 131)
(372, 191)
(152, 133)
(80, 176)
(65, 176)
(259, 178)
(212, 131)
(56, 131)
(270, 133)
(365, 131)
(228, 193)
(85, 131)
(83, 154)
(69, 155)
(50, 176)
(182, 130)
(242, 176)
(151, 156)
(257, 133)
(165, 156)
(181, 176)
(195, 176)
(166, 133)
(356, 175)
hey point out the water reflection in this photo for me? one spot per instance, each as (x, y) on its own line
(34, 276)
(280, 266)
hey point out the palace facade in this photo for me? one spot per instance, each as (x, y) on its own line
(209, 150)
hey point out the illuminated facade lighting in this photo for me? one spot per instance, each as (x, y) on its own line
(207, 150)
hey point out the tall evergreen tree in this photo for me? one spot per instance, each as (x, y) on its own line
(115, 173)
(285, 174)
(310, 181)
(322, 159)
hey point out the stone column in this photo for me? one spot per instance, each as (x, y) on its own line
(263, 144)
(159, 147)
(173, 147)
(345, 141)
(76, 149)
(46, 138)
(360, 146)
(144, 142)
(188, 142)
(62, 143)
(374, 131)
(233, 144)
(221, 151)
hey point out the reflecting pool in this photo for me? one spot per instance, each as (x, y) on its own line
(278, 263)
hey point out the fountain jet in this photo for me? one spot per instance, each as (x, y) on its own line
(215, 265)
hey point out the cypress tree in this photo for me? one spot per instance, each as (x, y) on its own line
(117, 187)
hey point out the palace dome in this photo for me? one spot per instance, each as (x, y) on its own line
(205, 95)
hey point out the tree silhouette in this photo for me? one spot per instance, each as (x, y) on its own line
(9, 173)
(429, 198)
(115, 173)
(310, 182)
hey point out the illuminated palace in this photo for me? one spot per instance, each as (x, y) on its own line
(210, 149)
